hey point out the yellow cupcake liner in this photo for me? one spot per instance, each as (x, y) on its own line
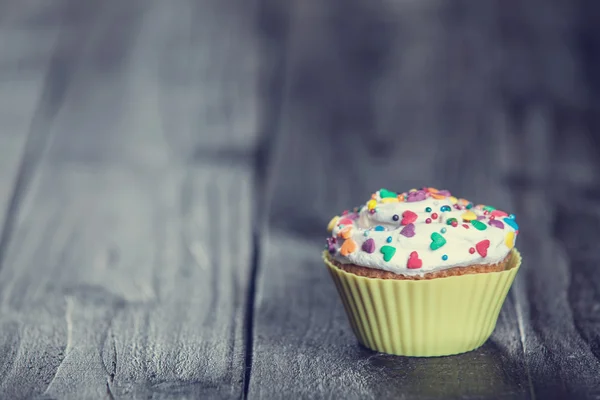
(424, 318)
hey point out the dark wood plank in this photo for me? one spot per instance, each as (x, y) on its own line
(24, 57)
(131, 283)
(414, 99)
(557, 290)
(182, 79)
(125, 273)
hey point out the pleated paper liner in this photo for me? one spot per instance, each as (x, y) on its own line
(424, 318)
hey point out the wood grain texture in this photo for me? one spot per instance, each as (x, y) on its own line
(181, 79)
(23, 72)
(447, 95)
(125, 270)
(131, 283)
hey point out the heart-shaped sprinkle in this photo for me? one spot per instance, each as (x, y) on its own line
(408, 217)
(496, 223)
(408, 230)
(331, 245)
(388, 252)
(332, 223)
(438, 196)
(414, 262)
(482, 247)
(379, 228)
(384, 194)
(345, 221)
(480, 226)
(416, 196)
(511, 222)
(345, 233)
(469, 216)
(348, 247)
(498, 213)
(437, 241)
(509, 240)
(371, 204)
(369, 246)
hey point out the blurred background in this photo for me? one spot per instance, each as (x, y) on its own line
(168, 168)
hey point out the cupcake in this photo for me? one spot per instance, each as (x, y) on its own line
(422, 273)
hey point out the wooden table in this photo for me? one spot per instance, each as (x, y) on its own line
(167, 169)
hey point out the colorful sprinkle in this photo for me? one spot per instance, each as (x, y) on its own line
(331, 245)
(509, 240)
(434, 215)
(443, 230)
(414, 262)
(366, 233)
(437, 241)
(480, 226)
(379, 228)
(408, 217)
(400, 197)
(445, 257)
(418, 195)
(345, 212)
(450, 221)
(385, 194)
(468, 216)
(472, 250)
(371, 204)
(482, 247)
(389, 239)
(332, 223)
(396, 217)
(388, 200)
(372, 211)
(498, 213)
(465, 226)
(428, 209)
(454, 224)
(345, 233)
(428, 221)
(496, 223)
(512, 223)
(369, 246)
(469, 206)
(445, 208)
(438, 196)
(489, 208)
(388, 252)
(345, 221)
(408, 230)
(348, 247)
(453, 199)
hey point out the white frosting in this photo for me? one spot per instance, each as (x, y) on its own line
(462, 246)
